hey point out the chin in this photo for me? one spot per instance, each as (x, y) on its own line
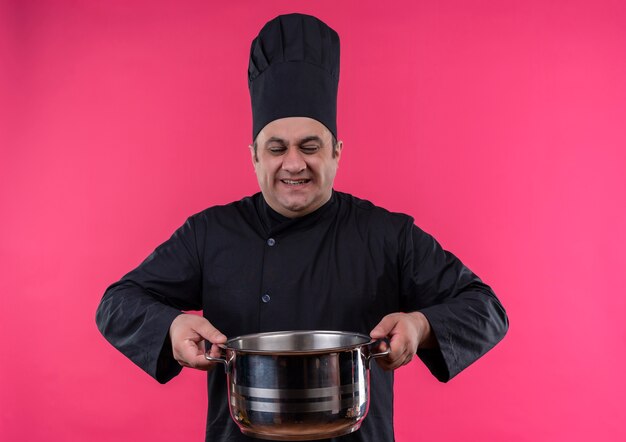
(296, 207)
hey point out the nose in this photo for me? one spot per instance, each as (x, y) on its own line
(293, 162)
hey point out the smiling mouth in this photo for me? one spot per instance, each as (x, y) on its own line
(295, 182)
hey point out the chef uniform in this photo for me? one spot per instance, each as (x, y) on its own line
(342, 267)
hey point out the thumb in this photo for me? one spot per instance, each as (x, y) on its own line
(210, 333)
(384, 327)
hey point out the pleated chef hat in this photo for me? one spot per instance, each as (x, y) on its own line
(294, 72)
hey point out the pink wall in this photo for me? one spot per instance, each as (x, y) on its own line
(499, 125)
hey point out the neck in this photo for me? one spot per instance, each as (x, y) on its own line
(297, 213)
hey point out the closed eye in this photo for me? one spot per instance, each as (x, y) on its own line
(309, 149)
(277, 150)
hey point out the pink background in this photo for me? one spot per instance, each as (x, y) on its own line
(499, 125)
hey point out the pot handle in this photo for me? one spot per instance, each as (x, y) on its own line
(385, 352)
(224, 361)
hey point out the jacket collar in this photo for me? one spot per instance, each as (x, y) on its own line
(275, 223)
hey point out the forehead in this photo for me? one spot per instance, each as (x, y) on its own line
(293, 129)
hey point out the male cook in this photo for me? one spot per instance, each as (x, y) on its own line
(300, 255)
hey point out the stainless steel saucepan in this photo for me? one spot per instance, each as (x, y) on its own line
(299, 385)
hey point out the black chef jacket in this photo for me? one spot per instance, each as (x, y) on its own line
(342, 267)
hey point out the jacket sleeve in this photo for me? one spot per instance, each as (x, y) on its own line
(136, 312)
(466, 317)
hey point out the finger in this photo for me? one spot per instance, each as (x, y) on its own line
(403, 338)
(193, 356)
(187, 326)
(398, 344)
(210, 333)
(384, 327)
(214, 352)
(381, 349)
(199, 362)
(185, 351)
(389, 364)
(393, 364)
(400, 354)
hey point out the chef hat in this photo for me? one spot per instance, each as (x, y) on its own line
(294, 72)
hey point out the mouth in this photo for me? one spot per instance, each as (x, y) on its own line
(295, 182)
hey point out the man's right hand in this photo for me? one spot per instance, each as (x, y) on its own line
(188, 333)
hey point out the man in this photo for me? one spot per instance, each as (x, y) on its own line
(300, 255)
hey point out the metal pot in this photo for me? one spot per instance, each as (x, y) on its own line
(298, 385)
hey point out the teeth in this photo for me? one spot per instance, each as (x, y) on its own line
(294, 182)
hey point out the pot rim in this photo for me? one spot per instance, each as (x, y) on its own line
(366, 341)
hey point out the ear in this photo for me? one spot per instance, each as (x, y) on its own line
(253, 155)
(338, 150)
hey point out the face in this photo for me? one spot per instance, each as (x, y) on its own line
(295, 165)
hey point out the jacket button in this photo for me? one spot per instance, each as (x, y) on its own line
(271, 242)
(265, 298)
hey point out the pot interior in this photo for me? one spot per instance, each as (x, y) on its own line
(305, 341)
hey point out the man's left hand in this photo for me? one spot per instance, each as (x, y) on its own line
(406, 332)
